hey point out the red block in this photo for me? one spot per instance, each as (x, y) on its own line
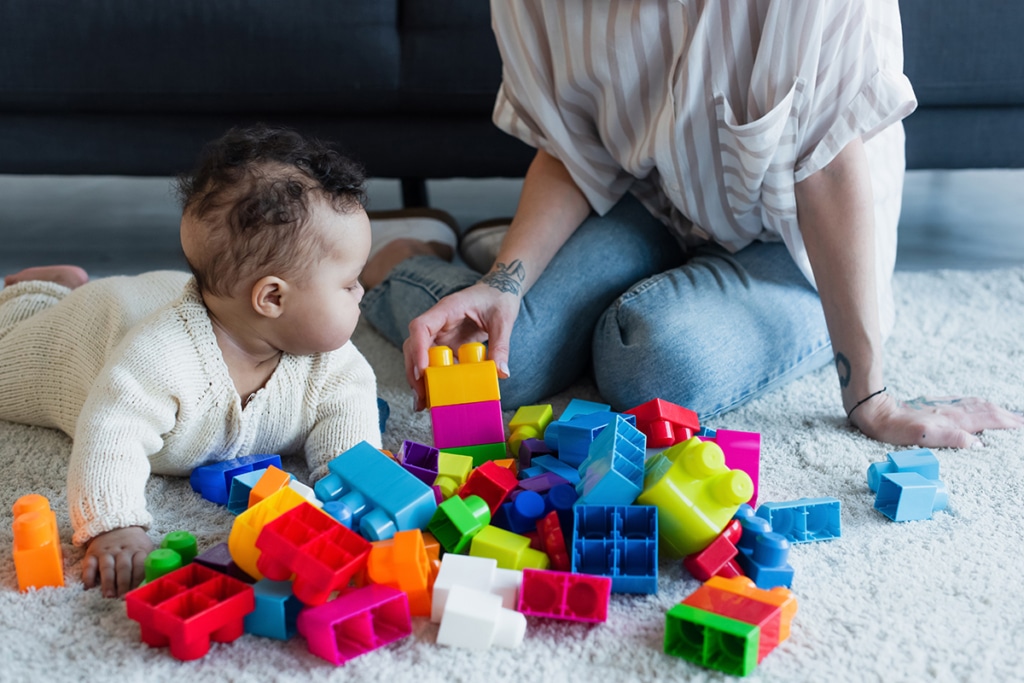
(562, 595)
(322, 554)
(739, 607)
(467, 424)
(552, 541)
(718, 559)
(190, 607)
(663, 423)
(490, 481)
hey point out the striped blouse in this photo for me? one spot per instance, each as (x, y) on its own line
(710, 111)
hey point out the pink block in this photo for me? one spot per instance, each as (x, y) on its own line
(561, 595)
(356, 622)
(742, 452)
(467, 424)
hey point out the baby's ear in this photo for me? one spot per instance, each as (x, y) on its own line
(267, 296)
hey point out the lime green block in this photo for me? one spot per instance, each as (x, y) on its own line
(695, 493)
(457, 521)
(482, 453)
(711, 640)
(512, 551)
(452, 472)
(160, 562)
(183, 543)
(529, 422)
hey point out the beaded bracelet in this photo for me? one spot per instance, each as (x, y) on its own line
(864, 400)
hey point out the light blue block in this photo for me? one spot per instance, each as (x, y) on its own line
(920, 460)
(576, 407)
(613, 472)
(241, 487)
(908, 496)
(804, 520)
(276, 612)
(549, 463)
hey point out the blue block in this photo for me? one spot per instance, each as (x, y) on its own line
(521, 515)
(613, 472)
(277, 610)
(763, 555)
(549, 463)
(920, 460)
(576, 435)
(241, 487)
(620, 542)
(213, 482)
(908, 496)
(804, 520)
(376, 490)
(706, 433)
(575, 408)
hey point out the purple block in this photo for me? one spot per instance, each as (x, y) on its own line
(542, 482)
(218, 558)
(467, 424)
(529, 449)
(420, 460)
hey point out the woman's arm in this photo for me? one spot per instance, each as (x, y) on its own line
(550, 209)
(836, 215)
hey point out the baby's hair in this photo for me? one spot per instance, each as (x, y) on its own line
(252, 195)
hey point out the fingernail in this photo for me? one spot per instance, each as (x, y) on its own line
(416, 373)
(977, 444)
(503, 368)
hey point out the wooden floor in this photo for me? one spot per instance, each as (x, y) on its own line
(112, 225)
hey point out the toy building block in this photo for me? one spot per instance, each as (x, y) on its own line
(213, 482)
(272, 481)
(620, 542)
(241, 489)
(481, 453)
(575, 408)
(476, 620)
(183, 543)
(467, 424)
(779, 597)
(719, 558)
(696, 494)
(920, 460)
(561, 595)
(472, 380)
(561, 499)
(521, 514)
(314, 548)
(742, 452)
(480, 573)
(767, 617)
(706, 433)
(549, 463)
(542, 483)
(665, 423)
(711, 640)
(804, 520)
(512, 551)
(491, 482)
(908, 496)
(530, 449)
(577, 435)
(457, 520)
(382, 496)
(248, 526)
(452, 472)
(355, 623)
(402, 562)
(161, 561)
(38, 559)
(529, 422)
(190, 607)
(218, 558)
(613, 471)
(276, 612)
(551, 539)
(420, 459)
(763, 555)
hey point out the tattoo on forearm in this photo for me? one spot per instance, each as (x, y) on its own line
(843, 368)
(507, 278)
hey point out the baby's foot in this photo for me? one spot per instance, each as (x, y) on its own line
(69, 276)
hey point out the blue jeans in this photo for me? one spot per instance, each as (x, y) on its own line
(708, 330)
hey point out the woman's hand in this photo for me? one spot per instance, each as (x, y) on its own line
(485, 311)
(948, 422)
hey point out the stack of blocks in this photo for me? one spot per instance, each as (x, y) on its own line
(907, 485)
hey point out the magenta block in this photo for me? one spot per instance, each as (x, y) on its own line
(742, 452)
(563, 595)
(467, 424)
(356, 622)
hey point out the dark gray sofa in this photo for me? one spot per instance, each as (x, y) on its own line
(130, 87)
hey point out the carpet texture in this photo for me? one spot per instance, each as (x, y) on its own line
(932, 600)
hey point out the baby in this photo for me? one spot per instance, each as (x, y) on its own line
(162, 372)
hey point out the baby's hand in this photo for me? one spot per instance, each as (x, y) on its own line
(116, 561)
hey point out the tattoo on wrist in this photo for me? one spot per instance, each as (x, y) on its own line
(843, 368)
(506, 277)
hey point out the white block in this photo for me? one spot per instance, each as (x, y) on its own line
(507, 583)
(475, 619)
(460, 570)
(306, 492)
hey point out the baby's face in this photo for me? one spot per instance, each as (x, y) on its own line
(324, 314)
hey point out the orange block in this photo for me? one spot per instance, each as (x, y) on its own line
(38, 559)
(402, 562)
(273, 480)
(779, 597)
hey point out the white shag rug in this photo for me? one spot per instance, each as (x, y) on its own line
(932, 600)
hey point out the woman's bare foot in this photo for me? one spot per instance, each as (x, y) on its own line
(396, 251)
(69, 276)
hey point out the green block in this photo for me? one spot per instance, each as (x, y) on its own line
(711, 640)
(482, 453)
(183, 543)
(457, 521)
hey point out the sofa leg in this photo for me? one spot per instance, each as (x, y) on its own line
(414, 192)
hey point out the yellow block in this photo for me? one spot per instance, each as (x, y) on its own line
(472, 380)
(249, 524)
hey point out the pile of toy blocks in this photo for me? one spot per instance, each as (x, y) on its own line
(463, 534)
